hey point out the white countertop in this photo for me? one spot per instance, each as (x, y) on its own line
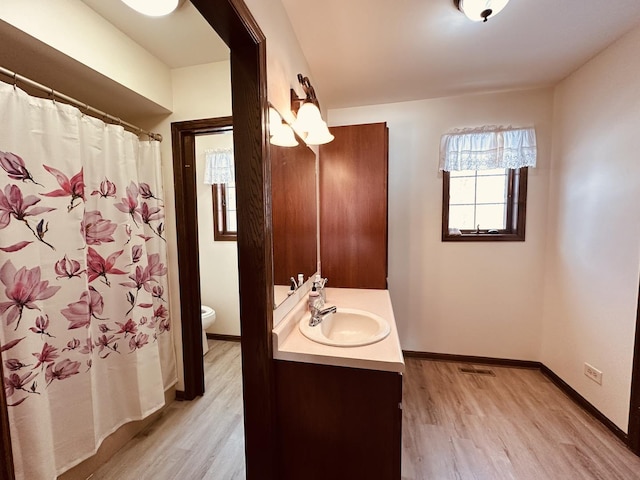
(290, 344)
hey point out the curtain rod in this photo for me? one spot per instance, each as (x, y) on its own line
(81, 105)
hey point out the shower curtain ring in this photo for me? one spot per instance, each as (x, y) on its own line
(15, 80)
(52, 94)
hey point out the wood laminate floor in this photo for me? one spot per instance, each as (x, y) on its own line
(516, 425)
(198, 440)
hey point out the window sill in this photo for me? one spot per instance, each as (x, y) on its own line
(484, 237)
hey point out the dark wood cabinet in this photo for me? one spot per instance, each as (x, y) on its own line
(338, 423)
(353, 206)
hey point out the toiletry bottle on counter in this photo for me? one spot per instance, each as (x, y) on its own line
(314, 297)
(300, 279)
(319, 284)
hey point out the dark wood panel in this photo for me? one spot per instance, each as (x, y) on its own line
(353, 206)
(338, 423)
(294, 212)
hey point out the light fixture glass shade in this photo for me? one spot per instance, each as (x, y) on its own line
(474, 9)
(308, 117)
(275, 121)
(319, 135)
(153, 8)
(284, 137)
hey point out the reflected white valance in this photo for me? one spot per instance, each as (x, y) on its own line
(488, 147)
(218, 166)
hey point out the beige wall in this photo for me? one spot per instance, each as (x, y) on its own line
(461, 298)
(285, 58)
(218, 259)
(74, 29)
(202, 91)
(594, 228)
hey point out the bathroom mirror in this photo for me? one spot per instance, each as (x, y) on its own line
(295, 215)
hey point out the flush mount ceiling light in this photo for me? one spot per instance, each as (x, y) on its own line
(309, 121)
(154, 8)
(480, 10)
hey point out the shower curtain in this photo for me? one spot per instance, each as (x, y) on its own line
(84, 320)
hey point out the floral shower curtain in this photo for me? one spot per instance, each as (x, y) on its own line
(85, 329)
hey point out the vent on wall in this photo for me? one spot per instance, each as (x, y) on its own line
(476, 371)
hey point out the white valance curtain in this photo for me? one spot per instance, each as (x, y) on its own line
(219, 166)
(488, 147)
(85, 331)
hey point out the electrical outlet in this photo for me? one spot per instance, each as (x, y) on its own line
(593, 373)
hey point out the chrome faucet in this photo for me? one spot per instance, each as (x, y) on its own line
(317, 314)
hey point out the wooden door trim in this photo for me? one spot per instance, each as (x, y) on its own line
(236, 26)
(634, 407)
(184, 175)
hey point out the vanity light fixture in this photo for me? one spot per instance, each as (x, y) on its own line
(309, 121)
(284, 137)
(154, 8)
(281, 133)
(480, 10)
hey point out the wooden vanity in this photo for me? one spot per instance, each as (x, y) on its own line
(339, 409)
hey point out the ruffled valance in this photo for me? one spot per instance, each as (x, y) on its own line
(488, 147)
(218, 166)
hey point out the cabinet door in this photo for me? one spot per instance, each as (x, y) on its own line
(337, 423)
(353, 206)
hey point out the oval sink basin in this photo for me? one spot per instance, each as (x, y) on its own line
(347, 327)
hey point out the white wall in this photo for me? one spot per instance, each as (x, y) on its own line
(285, 58)
(202, 91)
(218, 259)
(594, 228)
(460, 298)
(74, 29)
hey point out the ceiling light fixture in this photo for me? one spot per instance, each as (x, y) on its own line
(480, 10)
(308, 117)
(154, 8)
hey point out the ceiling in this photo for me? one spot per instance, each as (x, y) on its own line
(379, 51)
(182, 39)
(364, 52)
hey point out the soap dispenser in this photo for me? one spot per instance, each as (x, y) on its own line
(314, 297)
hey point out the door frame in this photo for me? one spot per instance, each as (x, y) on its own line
(183, 146)
(233, 22)
(633, 437)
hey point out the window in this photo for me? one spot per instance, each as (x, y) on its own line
(480, 205)
(225, 222)
(484, 191)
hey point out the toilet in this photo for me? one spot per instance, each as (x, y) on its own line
(208, 315)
